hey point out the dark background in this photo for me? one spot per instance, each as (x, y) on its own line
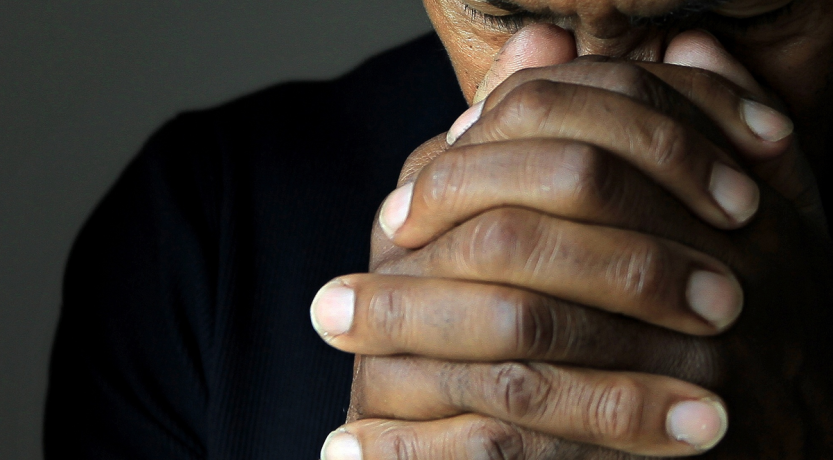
(82, 85)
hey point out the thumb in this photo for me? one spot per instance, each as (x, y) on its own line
(698, 48)
(536, 45)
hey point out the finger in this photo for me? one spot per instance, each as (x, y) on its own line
(392, 315)
(776, 160)
(758, 130)
(566, 179)
(627, 78)
(381, 247)
(464, 437)
(673, 154)
(537, 45)
(616, 270)
(700, 49)
(726, 92)
(638, 413)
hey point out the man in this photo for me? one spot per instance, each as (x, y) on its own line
(540, 192)
(576, 261)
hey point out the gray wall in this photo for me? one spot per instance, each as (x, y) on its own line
(83, 83)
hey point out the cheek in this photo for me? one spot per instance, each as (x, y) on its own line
(471, 50)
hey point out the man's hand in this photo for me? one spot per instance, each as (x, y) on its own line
(537, 211)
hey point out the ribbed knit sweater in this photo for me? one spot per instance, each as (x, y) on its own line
(185, 328)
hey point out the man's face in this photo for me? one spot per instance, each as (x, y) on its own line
(786, 44)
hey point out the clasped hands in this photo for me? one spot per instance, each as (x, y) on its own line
(604, 260)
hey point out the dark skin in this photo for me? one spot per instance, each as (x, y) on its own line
(568, 276)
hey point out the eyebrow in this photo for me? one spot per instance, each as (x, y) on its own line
(686, 10)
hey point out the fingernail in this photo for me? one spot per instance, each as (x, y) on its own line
(332, 309)
(714, 297)
(766, 122)
(701, 424)
(395, 209)
(341, 445)
(464, 122)
(734, 191)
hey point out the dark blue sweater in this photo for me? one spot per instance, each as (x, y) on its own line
(185, 328)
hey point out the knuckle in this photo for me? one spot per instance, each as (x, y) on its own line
(598, 178)
(546, 330)
(636, 82)
(536, 328)
(571, 338)
(400, 442)
(497, 239)
(700, 81)
(668, 143)
(493, 440)
(405, 447)
(603, 185)
(641, 270)
(443, 180)
(454, 383)
(615, 411)
(386, 313)
(520, 391)
(527, 106)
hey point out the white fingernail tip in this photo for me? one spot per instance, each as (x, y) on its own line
(333, 309)
(395, 209)
(701, 424)
(464, 122)
(716, 298)
(341, 445)
(766, 122)
(734, 191)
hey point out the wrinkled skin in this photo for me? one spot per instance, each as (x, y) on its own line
(770, 367)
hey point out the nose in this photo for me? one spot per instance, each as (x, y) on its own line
(637, 43)
(605, 27)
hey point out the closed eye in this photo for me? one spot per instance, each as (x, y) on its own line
(506, 17)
